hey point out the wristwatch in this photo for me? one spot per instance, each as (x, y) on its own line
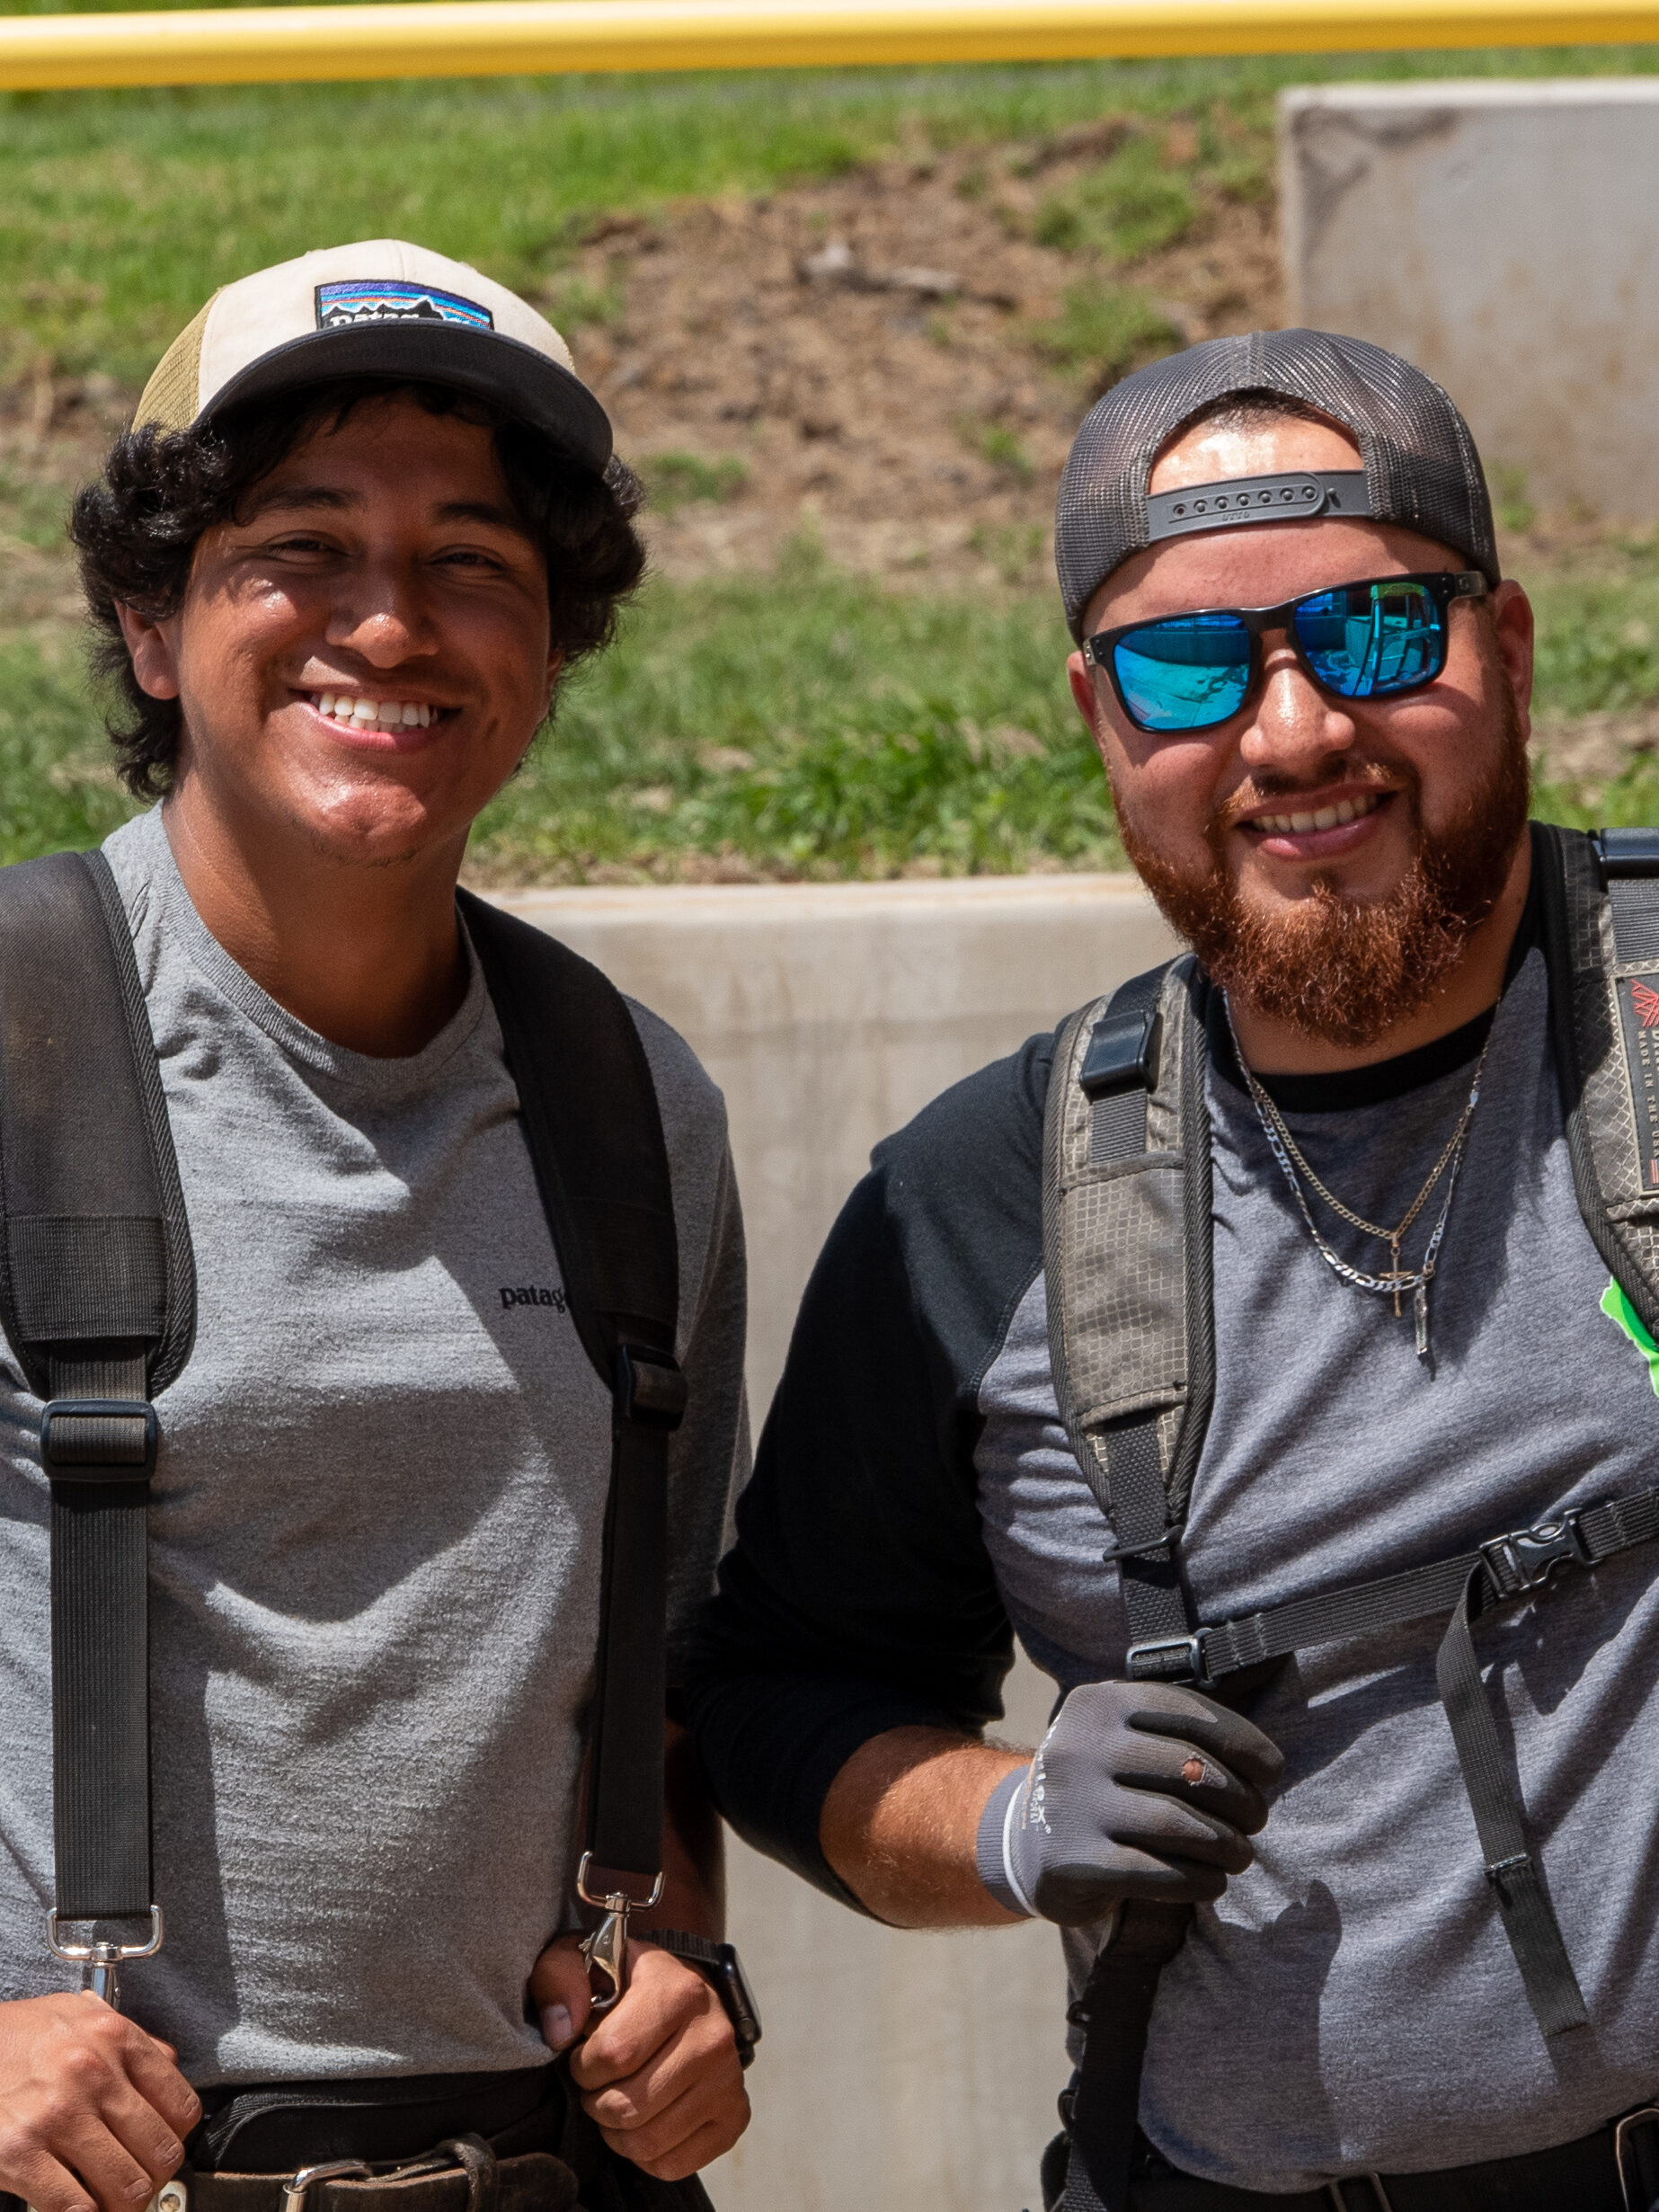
(723, 1970)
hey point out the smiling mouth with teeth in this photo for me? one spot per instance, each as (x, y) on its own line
(1326, 818)
(365, 714)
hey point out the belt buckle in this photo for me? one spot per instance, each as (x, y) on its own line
(334, 2169)
(1645, 2115)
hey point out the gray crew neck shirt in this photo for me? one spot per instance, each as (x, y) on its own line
(1352, 2002)
(375, 1537)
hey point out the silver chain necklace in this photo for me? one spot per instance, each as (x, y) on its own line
(1398, 1280)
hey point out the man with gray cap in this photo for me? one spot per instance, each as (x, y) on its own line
(1270, 1350)
(301, 1656)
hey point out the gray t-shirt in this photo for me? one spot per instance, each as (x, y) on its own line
(1352, 2002)
(376, 1534)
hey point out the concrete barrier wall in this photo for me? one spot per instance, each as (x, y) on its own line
(1505, 237)
(898, 2069)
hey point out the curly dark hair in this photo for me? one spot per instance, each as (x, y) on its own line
(137, 528)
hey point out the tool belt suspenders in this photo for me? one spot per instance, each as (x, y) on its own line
(1127, 1254)
(595, 1136)
(98, 1299)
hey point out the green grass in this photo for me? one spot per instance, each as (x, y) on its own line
(676, 480)
(812, 724)
(1132, 204)
(1105, 329)
(805, 723)
(120, 212)
(56, 788)
(1599, 629)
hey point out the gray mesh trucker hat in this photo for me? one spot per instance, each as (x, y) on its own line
(1421, 466)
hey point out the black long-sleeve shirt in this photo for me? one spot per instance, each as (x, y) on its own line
(860, 1596)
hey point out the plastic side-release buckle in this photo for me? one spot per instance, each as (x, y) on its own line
(98, 1439)
(1625, 855)
(1170, 1658)
(651, 1387)
(1122, 1052)
(1526, 1557)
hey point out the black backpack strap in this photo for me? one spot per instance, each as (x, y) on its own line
(595, 1136)
(98, 1298)
(1131, 1337)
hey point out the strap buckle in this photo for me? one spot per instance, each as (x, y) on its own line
(101, 1959)
(651, 1387)
(1122, 1053)
(1150, 1661)
(1526, 1557)
(605, 1948)
(1625, 855)
(98, 1439)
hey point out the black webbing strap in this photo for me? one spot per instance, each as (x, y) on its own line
(1102, 2107)
(101, 1465)
(595, 1136)
(1503, 1569)
(97, 1295)
(1114, 2010)
(1529, 1917)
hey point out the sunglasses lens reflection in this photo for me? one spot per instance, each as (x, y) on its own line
(1189, 672)
(1365, 641)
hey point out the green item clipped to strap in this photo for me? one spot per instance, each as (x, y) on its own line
(1617, 1307)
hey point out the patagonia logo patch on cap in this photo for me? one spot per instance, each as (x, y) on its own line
(394, 299)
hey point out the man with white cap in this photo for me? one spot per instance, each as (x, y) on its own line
(365, 519)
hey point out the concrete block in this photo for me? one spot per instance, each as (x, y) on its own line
(898, 2069)
(1505, 237)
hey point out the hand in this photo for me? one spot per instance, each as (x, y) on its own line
(660, 2071)
(92, 2112)
(1139, 1790)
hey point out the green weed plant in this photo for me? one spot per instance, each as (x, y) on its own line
(120, 211)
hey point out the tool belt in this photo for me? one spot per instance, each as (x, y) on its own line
(514, 2142)
(1614, 2169)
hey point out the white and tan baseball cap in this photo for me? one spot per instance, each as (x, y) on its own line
(382, 308)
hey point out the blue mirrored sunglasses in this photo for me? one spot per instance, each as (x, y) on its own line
(1361, 641)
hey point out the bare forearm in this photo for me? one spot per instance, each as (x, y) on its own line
(900, 1822)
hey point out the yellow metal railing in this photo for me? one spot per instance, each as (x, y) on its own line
(481, 37)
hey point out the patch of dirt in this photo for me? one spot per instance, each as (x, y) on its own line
(878, 354)
(1591, 750)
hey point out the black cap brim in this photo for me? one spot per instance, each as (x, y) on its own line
(541, 394)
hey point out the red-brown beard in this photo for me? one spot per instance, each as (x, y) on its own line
(1333, 968)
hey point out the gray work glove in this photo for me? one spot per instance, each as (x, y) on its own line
(1139, 1790)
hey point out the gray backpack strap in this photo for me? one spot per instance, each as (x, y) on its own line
(98, 1298)
(1599, 898)
(1126, 1212)
(1126, 1205)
